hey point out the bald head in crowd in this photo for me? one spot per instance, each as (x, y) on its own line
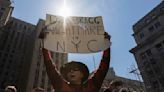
(38, 89)
(10, 89)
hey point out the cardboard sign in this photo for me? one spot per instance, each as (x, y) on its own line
(75, 34)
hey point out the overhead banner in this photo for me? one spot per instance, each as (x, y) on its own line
(74, 34)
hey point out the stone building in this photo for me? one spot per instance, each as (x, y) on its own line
(149, 52)
(128, 84)
(5, 11)
(16, 52)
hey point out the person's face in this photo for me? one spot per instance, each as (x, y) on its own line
(75, 76)
(8, 90)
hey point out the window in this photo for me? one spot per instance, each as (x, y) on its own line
(6, 54)
(161, 81)
(11, 55)
(155, 84)
(153, 16)
(15, 25)
(141, 35)
(42, 82)
(4, 60)
(159, 46)
(2, 64)
(157, 24)
(148, 52)
(10, 61)
(11, 23)
(162, 9)
(28, 29)
(0, 71)
(20, 26)
(16, 40)
(5, 39)
(35, 82)
(150, 73)
(151, 28)
(2, 8)
(0, 54)
(143, 64)
(8, 67)
(25, 27)
(36, 78)
(157, 71)
(1, 14)
(143, 56)
(6, 73)
(13, 51)
(8, 46)
(153, 61)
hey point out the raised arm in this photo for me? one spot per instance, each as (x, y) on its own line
(51, 69)
(101, 72)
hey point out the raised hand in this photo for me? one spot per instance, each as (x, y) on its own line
(107, 36)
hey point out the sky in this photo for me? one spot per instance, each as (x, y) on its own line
(118, 18)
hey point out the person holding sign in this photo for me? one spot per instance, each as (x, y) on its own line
(73, 76)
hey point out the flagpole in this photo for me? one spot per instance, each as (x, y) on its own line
(94, 64)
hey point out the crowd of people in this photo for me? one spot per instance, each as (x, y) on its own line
(115, 86)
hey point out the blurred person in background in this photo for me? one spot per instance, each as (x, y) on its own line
(10, 89)
(38, 89)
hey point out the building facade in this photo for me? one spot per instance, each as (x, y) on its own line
(128, 84)
(16, 53)
(149, 52)
(21, 60)
(5, 11)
